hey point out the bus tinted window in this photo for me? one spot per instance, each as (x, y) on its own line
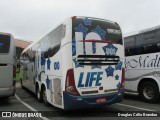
(129, 42)
(129, 46)
(50, 44)
(139, 44)
(107, 30)
(143, 43)
(158, 33)
(4, 43)
(149, 35)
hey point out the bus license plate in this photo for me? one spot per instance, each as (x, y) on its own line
(101, 100)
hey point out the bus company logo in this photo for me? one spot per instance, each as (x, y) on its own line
(143, 62)
(110, 49)
(90, 79)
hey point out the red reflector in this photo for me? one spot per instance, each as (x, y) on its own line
(122, 79)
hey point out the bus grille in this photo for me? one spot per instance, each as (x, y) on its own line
(98, 60)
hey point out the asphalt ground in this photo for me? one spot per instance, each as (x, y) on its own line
(25, 102)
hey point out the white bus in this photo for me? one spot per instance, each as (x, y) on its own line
(79, 64)
(7, 65)
(142, 63)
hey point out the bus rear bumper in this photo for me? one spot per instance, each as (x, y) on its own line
(6, 92)
(78, 102)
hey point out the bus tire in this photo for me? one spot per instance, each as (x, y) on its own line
(38, 94)
(44, 96)
(149, 92)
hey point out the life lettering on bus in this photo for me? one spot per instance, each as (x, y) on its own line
(91, 79)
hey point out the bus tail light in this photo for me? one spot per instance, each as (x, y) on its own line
(14, 71)
(70, 83)
(123, 79)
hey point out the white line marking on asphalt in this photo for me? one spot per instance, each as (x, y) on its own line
(28, 106)
(144, 109)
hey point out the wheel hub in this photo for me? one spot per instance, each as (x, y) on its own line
(148, 92)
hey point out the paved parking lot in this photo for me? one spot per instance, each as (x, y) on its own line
(25, 101)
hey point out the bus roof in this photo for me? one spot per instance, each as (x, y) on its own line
(93, 18)
(66, 20)
(2, 33)
(142, 31)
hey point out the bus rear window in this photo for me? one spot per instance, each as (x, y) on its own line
(109, 31)
(4, 43)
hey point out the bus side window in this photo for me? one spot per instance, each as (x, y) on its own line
(129, 46)
(63, 31)
(50, 44)
(54, 50)
(138, 44)
(157, 39)
(129, 52)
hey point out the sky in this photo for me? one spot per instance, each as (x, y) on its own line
(30, 20)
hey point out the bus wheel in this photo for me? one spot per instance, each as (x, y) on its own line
(149, 92)
(38, 94)
(44, 96)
